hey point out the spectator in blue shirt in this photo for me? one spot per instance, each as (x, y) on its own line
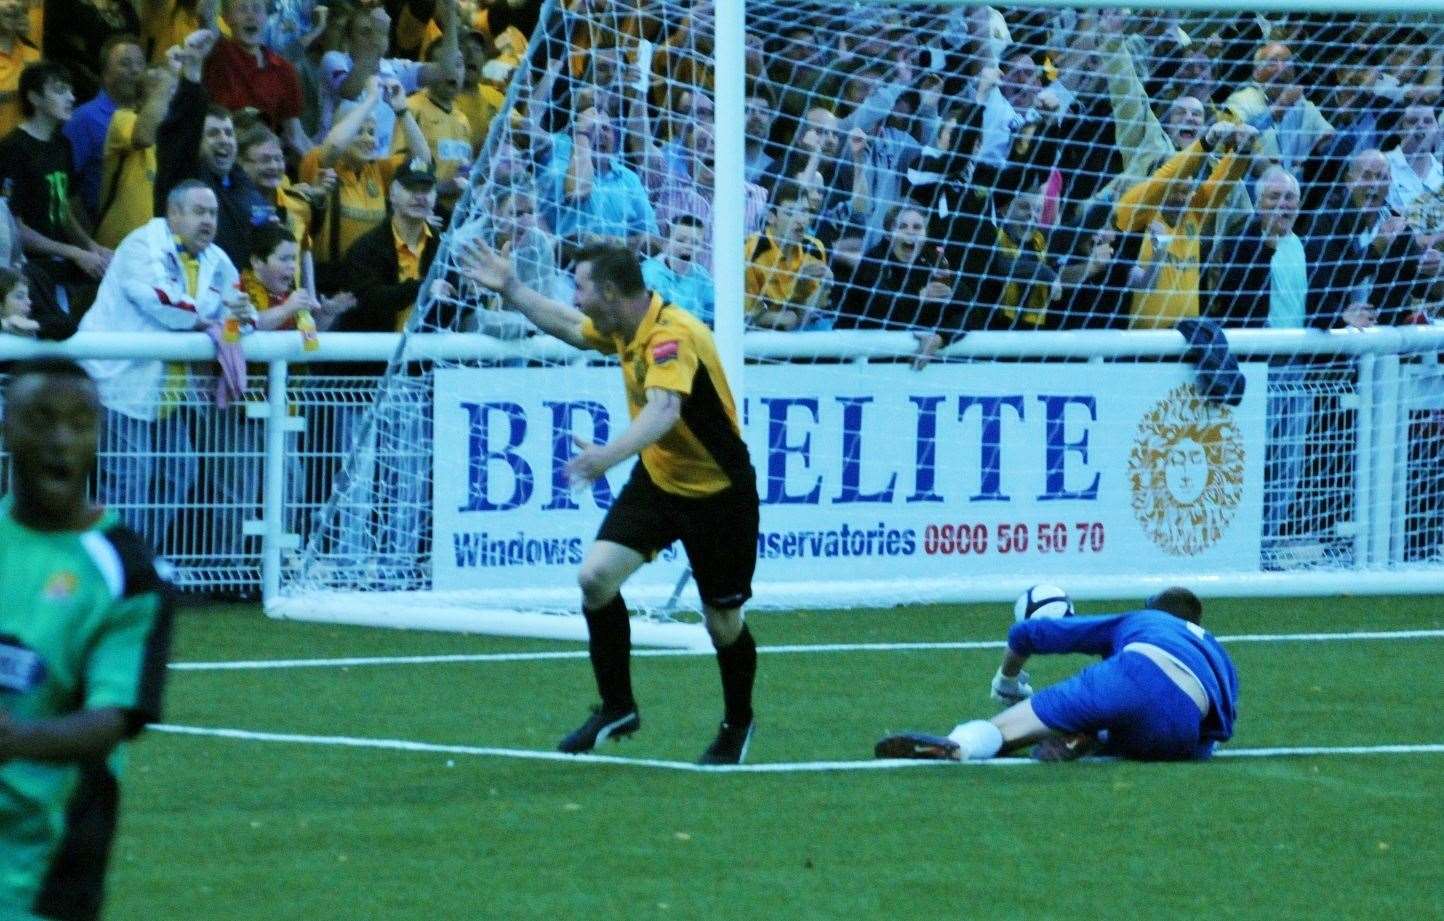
(678, 275)
(123, 64)
(588, 190)
(1165, 691)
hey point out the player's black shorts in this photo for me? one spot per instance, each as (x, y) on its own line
(719, 533)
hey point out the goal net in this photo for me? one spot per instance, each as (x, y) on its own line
(1108, 298)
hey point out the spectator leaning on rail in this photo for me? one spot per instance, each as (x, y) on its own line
(787, 277)
(167, 276)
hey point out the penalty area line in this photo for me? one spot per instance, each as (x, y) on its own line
(793, 767)
(551, 655)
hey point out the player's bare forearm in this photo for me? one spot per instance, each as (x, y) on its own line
(81, 736)
(658, 416)
(552, 317)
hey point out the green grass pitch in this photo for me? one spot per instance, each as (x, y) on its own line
(220, 828)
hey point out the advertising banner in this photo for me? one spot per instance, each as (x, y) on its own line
(876, 472)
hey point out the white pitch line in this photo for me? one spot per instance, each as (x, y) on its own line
(793, 767)
(355, 661)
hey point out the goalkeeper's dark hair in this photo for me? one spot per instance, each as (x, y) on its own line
(614, 264)
(1178, 601)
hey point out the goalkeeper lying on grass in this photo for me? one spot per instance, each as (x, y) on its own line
(1165, 691)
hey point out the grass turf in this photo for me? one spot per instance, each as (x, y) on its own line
(221, 829)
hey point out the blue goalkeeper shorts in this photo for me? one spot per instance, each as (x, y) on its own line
(1127, 699)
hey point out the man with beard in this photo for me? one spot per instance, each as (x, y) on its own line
(85, 626)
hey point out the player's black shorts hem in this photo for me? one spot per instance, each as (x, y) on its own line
(718, 532)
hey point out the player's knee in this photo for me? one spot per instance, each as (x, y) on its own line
(724, 625)
(597, 582)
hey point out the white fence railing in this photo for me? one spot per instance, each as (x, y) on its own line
(281, 447)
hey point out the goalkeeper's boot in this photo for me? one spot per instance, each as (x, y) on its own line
(1066, 748)
(919, 745)
(730, 746)
(604, 723)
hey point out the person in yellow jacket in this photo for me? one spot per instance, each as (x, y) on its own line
(1174, 198)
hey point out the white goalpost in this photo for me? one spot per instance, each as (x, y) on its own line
(945, 251)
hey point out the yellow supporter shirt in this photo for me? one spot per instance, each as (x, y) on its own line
(1032, 304)
(11, 63)
(408, 267)
(127, 181)
(165, 23)
(357, 204)
(672, 350)
(773, 271)
(448, 134)
(1174, 295)
(480, 106)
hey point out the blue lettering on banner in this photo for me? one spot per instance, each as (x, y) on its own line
(481, 452)
(476, 549)
(562, 451)
(925, 464)
(852, 455)
(843, 541)
(778, 449)
(1055, 410)
(990, 462)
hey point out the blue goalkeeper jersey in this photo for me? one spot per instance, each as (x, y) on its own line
(1105, 636)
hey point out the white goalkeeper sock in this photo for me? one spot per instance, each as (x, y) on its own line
(979, 739)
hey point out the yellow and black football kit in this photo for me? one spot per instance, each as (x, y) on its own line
(695, 483)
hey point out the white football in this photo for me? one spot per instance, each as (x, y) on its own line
(1042, 601)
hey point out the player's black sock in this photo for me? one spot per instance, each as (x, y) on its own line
(738, 664)
(609, 633)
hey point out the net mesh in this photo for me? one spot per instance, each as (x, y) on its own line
(939, 172)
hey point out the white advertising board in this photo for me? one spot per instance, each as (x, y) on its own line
(876, 473)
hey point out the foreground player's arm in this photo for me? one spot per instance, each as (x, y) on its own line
(494, 270)
(658, 416)
(82, 736)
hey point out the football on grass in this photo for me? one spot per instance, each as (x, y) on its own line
(1042, 601)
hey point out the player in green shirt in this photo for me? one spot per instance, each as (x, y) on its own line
(84, 635)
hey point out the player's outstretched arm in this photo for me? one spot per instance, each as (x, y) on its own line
(495, 270)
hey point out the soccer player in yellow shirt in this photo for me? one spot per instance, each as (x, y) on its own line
(694, 480)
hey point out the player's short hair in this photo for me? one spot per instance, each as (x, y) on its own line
(1178, 601)
(50, 366)
(614, 264)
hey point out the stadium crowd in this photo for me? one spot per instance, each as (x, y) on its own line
(224, 164)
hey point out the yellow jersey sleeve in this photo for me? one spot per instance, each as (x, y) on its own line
(671, 361)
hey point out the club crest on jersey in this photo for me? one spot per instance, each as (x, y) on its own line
(21, 668)
(664, 352)
(60, 586)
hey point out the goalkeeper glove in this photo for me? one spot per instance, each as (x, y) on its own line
(1011, 690)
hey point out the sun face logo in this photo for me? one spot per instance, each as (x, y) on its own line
(60, 586)
(1186, 472)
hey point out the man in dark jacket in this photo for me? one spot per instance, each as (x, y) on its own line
(197, 140)
(382, 518)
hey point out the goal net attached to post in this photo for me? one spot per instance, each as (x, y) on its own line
(1103, 298)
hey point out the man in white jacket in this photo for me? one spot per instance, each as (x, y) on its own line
(167, 276)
